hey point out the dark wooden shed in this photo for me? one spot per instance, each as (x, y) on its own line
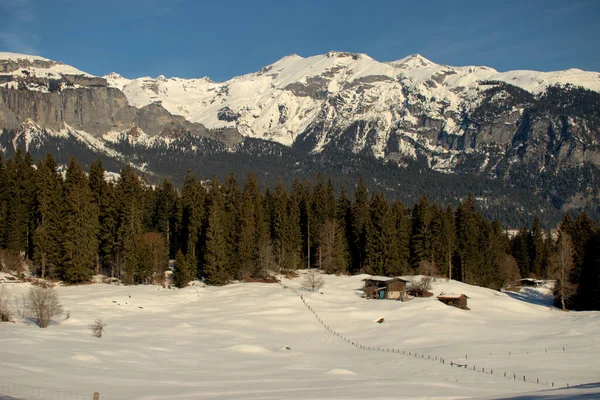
(456, 300)
(383, 287)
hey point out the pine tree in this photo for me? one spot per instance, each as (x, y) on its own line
(49, 217)
(381, 245)
(467, 240)
(536, 249)
(166, 218)
(232, 198)
(421, 245)
(520, 251)
(20, 191)
(129, 212)
(280, 222)
(253, 230)
(403, 224)
(360, 221)
(299, 194)
(79, 241)
(215, 268)
(193, 197)
(98, 187)
(184, 271)
(449, 245)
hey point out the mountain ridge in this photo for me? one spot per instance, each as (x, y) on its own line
(521, 128)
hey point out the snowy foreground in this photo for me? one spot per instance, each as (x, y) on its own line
(264, 341)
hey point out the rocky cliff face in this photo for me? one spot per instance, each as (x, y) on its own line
(57, 101)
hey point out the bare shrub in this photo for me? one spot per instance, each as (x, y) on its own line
(11, 261)
(43, 305)
(42, 283)
(509, 269)
(370, 291)
(419, 287)
(20, 307)
(5, 314)
(313, 280)
(98, 328)
(427, 268)
(562, 267)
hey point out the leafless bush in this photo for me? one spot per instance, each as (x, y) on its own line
(11, 261)
(42, 283)
(5, 314)
(427, 268)
(98, 328)
(20, 307)
(370, 291)
(419, 287)
(43, 305)
(313, 280)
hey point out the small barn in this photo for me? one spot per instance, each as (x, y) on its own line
(384, 287)
(527, 282)
(456, 300)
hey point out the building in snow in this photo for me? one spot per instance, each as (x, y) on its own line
(384, 287)
(456, 300)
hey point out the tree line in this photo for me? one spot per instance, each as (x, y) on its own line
(71, 226)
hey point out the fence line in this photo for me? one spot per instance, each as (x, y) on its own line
(473, 368)
(28, 392)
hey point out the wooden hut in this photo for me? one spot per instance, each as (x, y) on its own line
(383, 287)
(456, 300)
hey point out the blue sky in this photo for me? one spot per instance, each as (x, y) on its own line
(221, 39)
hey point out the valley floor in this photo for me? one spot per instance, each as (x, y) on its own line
(270, 341)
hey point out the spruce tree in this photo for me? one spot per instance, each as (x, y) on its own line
(467, 240)
(381, 242)
(20, 191)
(166, 219)
(231, 211)
(403, 224)
(184, 271)
(193, 198)
(215, 267)
(129, 212)
(49, 217)
(98, 187)
(79, 240)
(536, 249)
(360, 221)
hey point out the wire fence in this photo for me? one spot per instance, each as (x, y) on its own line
(434, 358)
(13, 390)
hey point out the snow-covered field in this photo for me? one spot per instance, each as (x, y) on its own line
(262, 341)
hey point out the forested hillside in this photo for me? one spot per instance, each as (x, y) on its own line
(73, 225)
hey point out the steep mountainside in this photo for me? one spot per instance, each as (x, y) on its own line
(533, 131)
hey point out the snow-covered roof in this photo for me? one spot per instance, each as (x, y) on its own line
(452, 296)
(384, 279)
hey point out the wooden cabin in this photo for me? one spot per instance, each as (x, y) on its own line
(455, 300)
(383, 287)
(527, 282)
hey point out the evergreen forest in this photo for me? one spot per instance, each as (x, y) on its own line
(73, 224)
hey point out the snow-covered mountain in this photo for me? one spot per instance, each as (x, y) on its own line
(284, 99)
(470, 119)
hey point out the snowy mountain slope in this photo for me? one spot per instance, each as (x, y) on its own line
(204, 342)
(302, 86)
(23, 65)
(349, 101)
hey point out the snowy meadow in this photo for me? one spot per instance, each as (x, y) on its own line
(280, 341)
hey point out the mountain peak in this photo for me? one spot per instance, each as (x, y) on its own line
(19, 56)
(413, 61)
